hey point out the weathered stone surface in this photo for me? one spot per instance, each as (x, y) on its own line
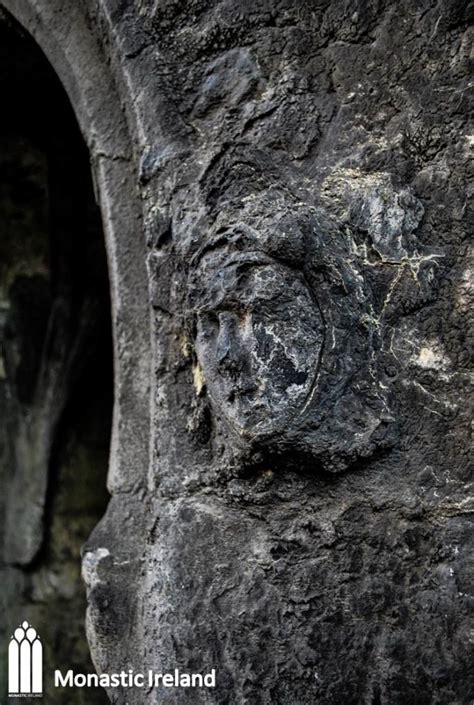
(303, 523)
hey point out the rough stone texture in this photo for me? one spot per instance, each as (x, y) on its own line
(303, 522)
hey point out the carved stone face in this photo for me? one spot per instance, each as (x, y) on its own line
(287, 334)
(259, 365)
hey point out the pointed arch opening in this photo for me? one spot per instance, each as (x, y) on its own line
(74, 321)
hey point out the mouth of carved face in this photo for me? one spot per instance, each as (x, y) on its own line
(259, 341)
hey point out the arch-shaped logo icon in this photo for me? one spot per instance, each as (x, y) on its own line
(25, 662)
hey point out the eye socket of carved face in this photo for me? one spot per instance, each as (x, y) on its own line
(260, 364)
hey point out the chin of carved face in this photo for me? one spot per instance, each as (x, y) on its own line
(259, 341)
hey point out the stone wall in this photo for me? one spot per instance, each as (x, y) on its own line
(301, 168)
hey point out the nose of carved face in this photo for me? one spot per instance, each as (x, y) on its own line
(232, 354)
(260, 367)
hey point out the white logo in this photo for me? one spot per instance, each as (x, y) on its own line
(25, 663)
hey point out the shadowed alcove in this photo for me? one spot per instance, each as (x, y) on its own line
(56, 370)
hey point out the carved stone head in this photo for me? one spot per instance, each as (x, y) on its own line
(259, 338)
(290, 310)
(283, 330)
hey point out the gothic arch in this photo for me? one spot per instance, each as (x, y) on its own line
(69, 45)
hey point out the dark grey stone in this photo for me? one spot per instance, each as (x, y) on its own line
(300, 519)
